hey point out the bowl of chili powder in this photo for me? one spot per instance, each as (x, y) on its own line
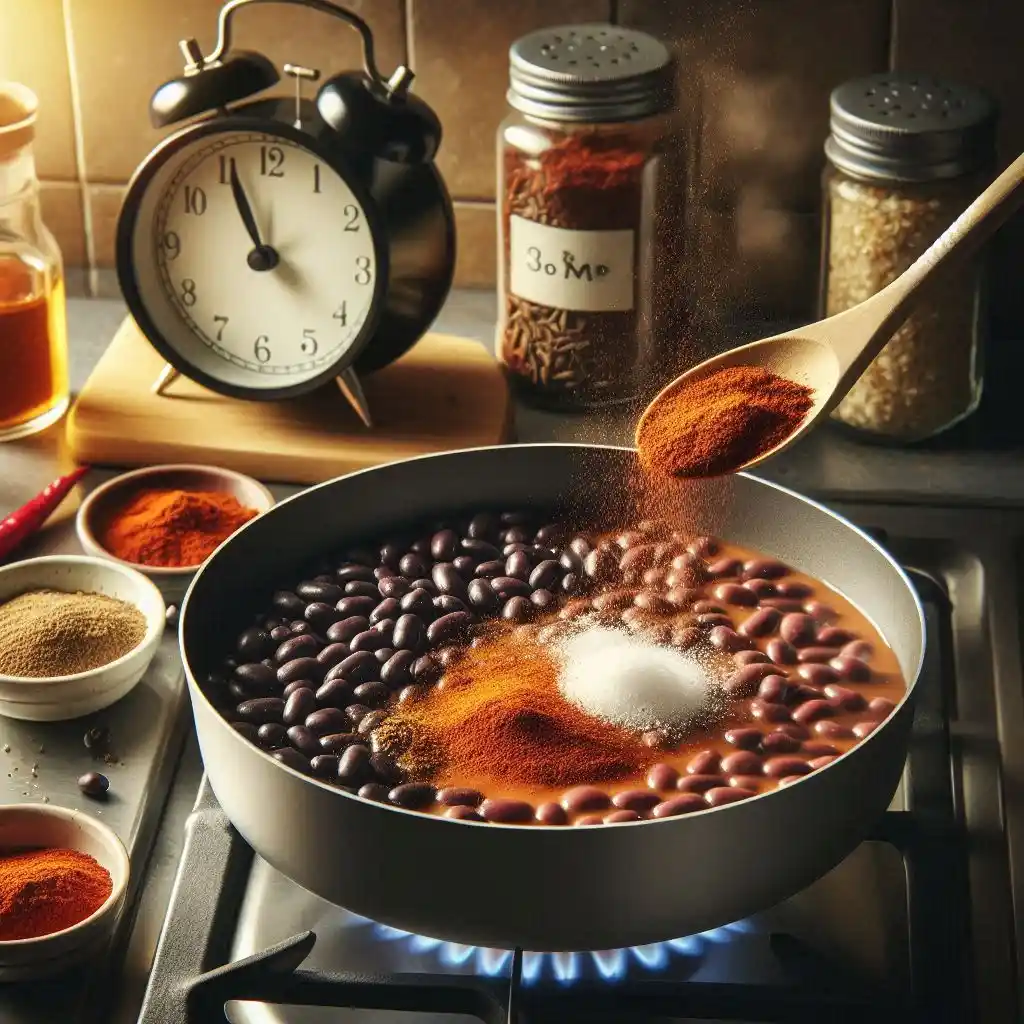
(165, 521)
(63, 877)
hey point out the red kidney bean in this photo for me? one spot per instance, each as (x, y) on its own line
(750, 658)
(864, 729)
(322, 616)
(784, 767)
(448, 580)
(712, 619)
(373, 791)
(463, 814)
(798, 629)
(774, 689)
(653, 603)
(637, 558)
(260, 710)
(699, 783)
(706, 762)
(744, 738)
(639, 800)
(254, 644)
(452, 796)
(821, 613)
(269, 736)
(742, 762)
(818, 748)
(662, 776)
(848, 700)
(761, 623)
(795, 589)
(804, 691)
(733, 593)
(684, 803)
(859, 649)
(613, 600)
(551, 814)
(419, 601)
(783, 604)
(852, 669)
(681, 597)
(483, 525)
(491, 569)
(685, 637)
(542, 599)
(765, 568)
(585, 798)
(704, 547)
(615, 817)
(818, 675)
(443, 545)
(880, 708)
(385, 768)
(722, 795)
(744, 681)
(762, 589)
(831, 730)
(706, 607)
(293, 759)
(819, 654)
(766, 712)
(545, 575)
(724, 568)
(280, 633)
(589, 819)
(798, 732)
(506, 811)
(782, 652)
(412, 566)
(820, 762)
(288, 603)
(426, 670)
(727, 639)
(654, 738)
(834, 636)
(510, 586)
(780, 743)
(812, 710)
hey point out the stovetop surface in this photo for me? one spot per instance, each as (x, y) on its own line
(916, 924)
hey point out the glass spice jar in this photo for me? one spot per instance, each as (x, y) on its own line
(33, 317)
(579, 163)
(906, 155)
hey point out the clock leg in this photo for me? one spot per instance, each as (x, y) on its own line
(348, 384)
(168, 375)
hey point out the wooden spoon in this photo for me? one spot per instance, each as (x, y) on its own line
(829, 356)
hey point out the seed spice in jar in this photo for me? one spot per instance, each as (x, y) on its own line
(46, 633)
(907, 155)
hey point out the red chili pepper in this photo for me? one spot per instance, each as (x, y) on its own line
(23, 522)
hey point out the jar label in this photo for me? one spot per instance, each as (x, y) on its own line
(569, 269)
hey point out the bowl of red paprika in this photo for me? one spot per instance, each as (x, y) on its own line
(63, 877)
(165, 521)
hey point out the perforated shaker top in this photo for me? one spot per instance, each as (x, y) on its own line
(907, 127)
(590, 73)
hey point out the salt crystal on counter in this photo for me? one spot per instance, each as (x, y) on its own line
(630, 681)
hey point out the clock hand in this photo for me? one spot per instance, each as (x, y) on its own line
(261, 257)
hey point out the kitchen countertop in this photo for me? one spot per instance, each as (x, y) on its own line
(978, 464)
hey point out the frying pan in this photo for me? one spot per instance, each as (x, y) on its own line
(595, 887)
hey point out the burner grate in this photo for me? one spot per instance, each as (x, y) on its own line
(192, 979)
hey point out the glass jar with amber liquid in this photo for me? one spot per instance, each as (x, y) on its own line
(33, 314)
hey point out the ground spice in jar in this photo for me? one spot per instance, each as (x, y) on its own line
(173, 528)
(46, 891)
(498, 715)
(53, 633)
(716, 425)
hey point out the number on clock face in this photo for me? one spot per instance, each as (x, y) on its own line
(287, 322)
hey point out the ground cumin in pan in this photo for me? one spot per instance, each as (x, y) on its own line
(718, 424)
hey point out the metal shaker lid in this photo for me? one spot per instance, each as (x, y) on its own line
(590, 73)
(907, 127)
(18, 106)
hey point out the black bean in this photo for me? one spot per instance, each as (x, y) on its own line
(412, 566)
(256, 679)
(571, 583)
(335, 693)
(261, 710)
(385, 769)
(309, 590)
(465, 566)
(246, 729)
(94, 785)
(254, 644)
(357, 712)
(300, 704)
(506, 811)
(412, 795)
(444, 604)
(370, 722)
(326, 720)
(426, 670)
(325, 766)
(600, 564)
(332, 655)
(339, 742)
(541, 599)
(371, 693)
(393, 586)
(396, 671)
(481, 596)
(389, 608)
(321, 616)
(238, 692)
(354, 767)
(280, 633)
(409, 633)
(302, 646)
(359, 667)
(444, 545)
(368, 640)
(510, 586)
(447, 627)
(518, 565)
(411, 693)
(360, 588)
(480, 549)
(271, 735)
(684, 803)
(298, 684)
(292, 758)
(483, 525)
(349, 606)
(490, 569)
(304, 740)
(517, 609)
(300, 668)
(290, 604)
(459, 796)
(352, 571)
(342, 632)
(418, 602)
(374, 791)
(447, 580)
(545, 575)
(300, 627)
(383, 655)
(515, 535)
(382, 572)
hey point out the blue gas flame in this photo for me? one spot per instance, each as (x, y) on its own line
(609, 965)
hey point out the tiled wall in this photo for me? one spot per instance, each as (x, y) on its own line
(754, 78)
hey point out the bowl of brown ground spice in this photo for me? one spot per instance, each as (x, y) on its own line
(76, 634)
(63, 876)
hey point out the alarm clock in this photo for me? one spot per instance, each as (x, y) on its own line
(272, 245)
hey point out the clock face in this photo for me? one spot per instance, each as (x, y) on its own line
(253, 260)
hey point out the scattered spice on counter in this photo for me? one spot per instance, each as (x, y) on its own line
(53, 633)
(716, 425)
(46, 891)
(498, 714)
(19, 525)
(173, 528)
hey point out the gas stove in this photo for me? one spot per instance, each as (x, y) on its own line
(917, 924)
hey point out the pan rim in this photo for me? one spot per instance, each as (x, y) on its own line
(223, 724)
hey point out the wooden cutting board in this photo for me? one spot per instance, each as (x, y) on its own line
(446, 393)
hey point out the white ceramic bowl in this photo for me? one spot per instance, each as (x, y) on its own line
(93, 512)
(43, 825)
(54, 698)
